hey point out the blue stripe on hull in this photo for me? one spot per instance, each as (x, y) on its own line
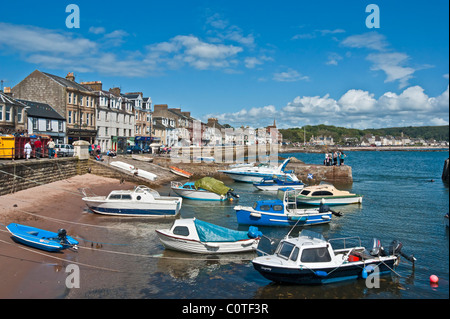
(307, 277)
(244, 217)
(136, 212)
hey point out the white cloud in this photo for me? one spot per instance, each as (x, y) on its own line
(392, 64)
(97, 30)
(289, 76)
(356, 108)
(371, 40)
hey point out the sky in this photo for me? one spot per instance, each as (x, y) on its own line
(247, 62)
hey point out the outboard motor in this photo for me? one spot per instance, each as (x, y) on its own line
(395, 248)
(325, 208)
(233, 194)
(377, 249)
(62, 235)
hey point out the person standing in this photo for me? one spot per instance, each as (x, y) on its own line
(341, 158)
(51, 148)
(38, 147)
(335, 158)
(27, 150)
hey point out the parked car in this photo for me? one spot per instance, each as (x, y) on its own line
(64, 150)
(136, 149)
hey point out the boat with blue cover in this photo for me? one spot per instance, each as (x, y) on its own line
(282, 211)
(309, 259)
(206, 188)
(250, 174)
(41, 239)
(197, 236)
(274, 183)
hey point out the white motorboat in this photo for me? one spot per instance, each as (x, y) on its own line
(328, 194)
(134, 170)
(309, 259)
(142, 201)
(250, 174)
(196, 236)
(206, 188)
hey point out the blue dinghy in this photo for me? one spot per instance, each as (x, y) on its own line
(41, 239)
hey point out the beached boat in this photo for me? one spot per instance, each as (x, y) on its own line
(196, 236)
(328, 194)
(142, 201)
(250, 174)
(275, 183)
(309, 259)
(206, 188)
(142, 158)
(134, 170)
(180, 172)
(41, 239)
(282, 212)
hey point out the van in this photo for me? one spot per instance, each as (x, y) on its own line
(64, 150)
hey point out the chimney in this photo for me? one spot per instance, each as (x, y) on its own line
(187, 114)
(94, 85)
(161, 107)
(115, 91)
(70, 77)
(7, 91)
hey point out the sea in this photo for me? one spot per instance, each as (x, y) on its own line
(404, 199)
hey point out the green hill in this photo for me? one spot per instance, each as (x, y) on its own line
(439, 133)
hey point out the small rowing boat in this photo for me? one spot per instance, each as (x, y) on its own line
(196, 236)
(180, 172)
(41, 239)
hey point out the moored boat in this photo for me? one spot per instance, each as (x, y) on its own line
(196, 236)
(142, 201)
(206, 188)
(282, 212)
(328, 194)
(134, 170)
(274, 183)
(180, 172)
(250, 174)
(309, 259)
(41, 239)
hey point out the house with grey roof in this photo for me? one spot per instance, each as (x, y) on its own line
(43, 120)
(12, 114)
(73, 101)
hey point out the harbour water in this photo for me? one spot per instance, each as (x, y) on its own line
(404, 199)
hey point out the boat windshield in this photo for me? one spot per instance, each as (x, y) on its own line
(311, 234)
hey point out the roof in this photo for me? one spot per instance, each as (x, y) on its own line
(41, 110)
(5, 99)
(67, 83)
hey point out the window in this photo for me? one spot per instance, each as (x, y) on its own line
(1, 112)
(87, 101)
(81, 100)
(181, 231)
(265, 207)
(70, 117)
(127, 197)
(60, 126)
(285, 250)
(70, 98)
(277, 208)
(316, 255)
(35, 124)
(322, 193)
(114, 196)
(48, 125)
(19, 115)
(305, 192)
(294, 255)
(106, 131)
(8, 117)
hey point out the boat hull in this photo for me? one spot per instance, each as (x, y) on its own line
(330, 201)
(248, 216)
(198, 194)
(306, 276)
(276, 187)
(38, 238)
(250, 177)
(155, 210)
(194, 246)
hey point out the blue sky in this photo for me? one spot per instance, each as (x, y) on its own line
(247, 62)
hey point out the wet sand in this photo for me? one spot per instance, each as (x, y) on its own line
(26, 272)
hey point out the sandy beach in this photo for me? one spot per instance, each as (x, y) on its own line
(30, 273)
